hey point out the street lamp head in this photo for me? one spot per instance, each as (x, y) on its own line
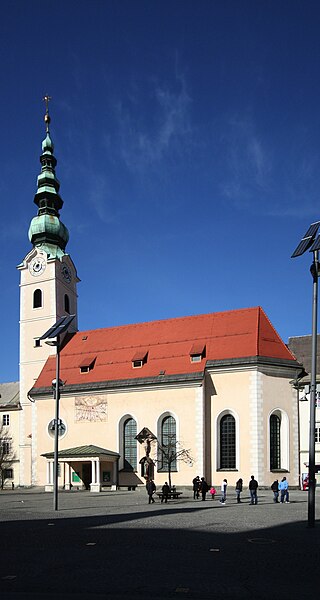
(51, 342)
(54, 383)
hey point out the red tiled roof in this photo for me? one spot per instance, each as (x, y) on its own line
(226, 335)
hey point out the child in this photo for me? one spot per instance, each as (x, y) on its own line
(212, 491)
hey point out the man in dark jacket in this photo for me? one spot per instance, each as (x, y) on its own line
(151, 488)
(165, 492)
(204, 488)
(195, 487)
(253, 487)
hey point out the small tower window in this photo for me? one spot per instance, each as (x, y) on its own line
(37, 299)
(66, 304)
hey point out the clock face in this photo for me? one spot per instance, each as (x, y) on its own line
(66, 273)
(37, 266)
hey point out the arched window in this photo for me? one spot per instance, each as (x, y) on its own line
(227, 442)
(37, 299)
(130, 445)
(66, 303)
(168, 444)
(275, 442)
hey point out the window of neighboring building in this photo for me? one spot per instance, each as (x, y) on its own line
(227, 435)
(168, 441)
(8, 474)
(37, 299)
(275, 442)
(6, 420)
(317, 433)
(130, 444)
(6, 446)
(66, 304)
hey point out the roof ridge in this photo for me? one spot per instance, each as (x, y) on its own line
(155, 321)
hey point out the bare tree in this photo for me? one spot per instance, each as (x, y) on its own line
(7, 456)
(171, 453)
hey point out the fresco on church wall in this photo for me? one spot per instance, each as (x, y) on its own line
(90, 409)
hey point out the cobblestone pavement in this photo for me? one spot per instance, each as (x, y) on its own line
(115, 545)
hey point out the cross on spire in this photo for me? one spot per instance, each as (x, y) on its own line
(47, 119)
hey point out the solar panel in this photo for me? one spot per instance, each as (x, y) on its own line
(315, 245)
(307, 240)
(59, 327)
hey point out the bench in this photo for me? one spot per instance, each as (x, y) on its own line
(172, 495)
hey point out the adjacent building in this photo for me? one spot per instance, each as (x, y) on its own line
(301, 347)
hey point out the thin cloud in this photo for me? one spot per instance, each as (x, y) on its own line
(142, 145)
(260, 179)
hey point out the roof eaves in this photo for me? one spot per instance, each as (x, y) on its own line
(252, 360)
(122, 383)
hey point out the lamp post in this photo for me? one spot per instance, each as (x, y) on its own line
(309, 242)
(56, 394)
(313, 393)
(52, 338)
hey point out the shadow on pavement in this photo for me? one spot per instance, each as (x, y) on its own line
(94, 558)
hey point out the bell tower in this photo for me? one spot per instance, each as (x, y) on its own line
(48, 291)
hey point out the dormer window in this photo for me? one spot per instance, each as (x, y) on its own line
(87, 364)
(197, 352)
(139, 359)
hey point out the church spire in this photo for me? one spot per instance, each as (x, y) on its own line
(46, 230)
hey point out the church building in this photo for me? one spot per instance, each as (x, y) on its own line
(206, 395)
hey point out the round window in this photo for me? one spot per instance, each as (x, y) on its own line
(62, 428)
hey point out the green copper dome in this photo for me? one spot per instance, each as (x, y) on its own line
(48, 228)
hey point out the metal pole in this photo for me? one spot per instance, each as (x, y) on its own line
(56, 429)
(313, 391)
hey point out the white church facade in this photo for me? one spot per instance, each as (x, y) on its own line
(216, 385)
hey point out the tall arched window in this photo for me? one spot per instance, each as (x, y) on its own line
(66, 304)
(275, 442)
(37, 299)
(130, 445)
(168, 441)
(227, 442)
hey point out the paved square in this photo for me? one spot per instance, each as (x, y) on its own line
(115, 545)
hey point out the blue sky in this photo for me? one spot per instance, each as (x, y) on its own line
(188, 148)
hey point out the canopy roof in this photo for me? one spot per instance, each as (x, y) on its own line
(81, 452)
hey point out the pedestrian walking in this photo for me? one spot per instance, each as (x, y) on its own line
(275, 489)
(195, 487)
(239, 489)
(253, 487)
(284, 491)
(165, 492)
(224, 486)
(151, 488)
